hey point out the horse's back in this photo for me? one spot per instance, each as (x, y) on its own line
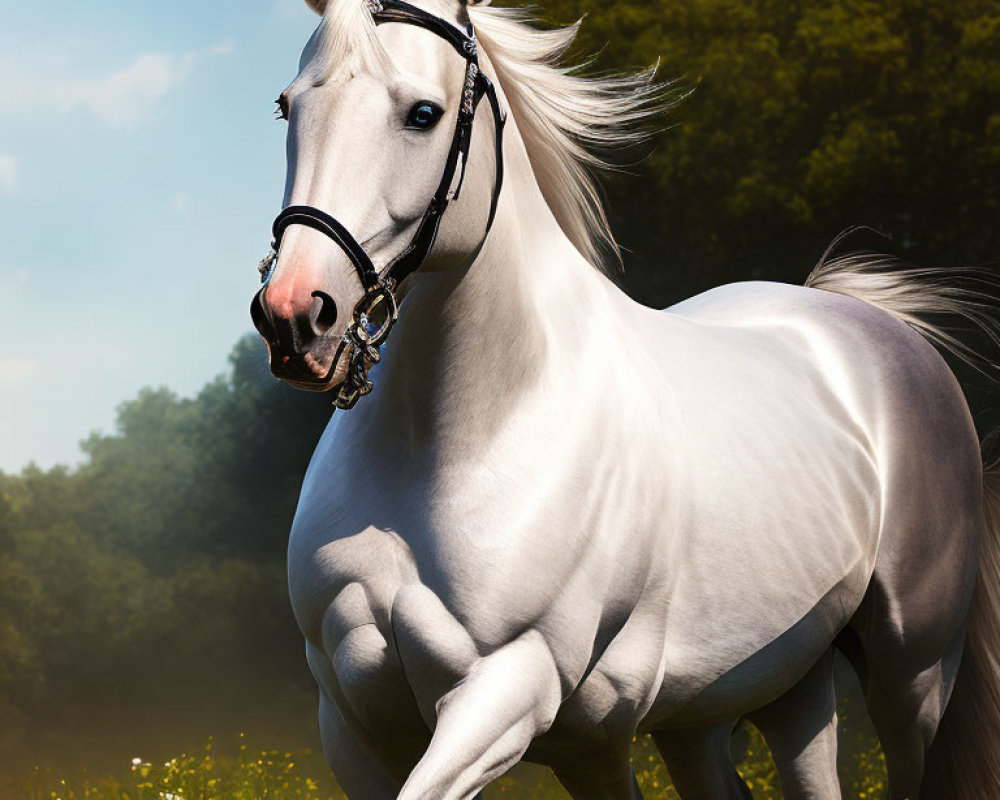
(867, 461)
(894, 384)
(874, 363)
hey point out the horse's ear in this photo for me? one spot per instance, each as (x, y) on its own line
(319, 6)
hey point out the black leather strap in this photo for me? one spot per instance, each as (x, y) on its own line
(398, 11)
(321, 221)
(498, 122)
(420, 246)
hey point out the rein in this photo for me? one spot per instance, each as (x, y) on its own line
(377, 311)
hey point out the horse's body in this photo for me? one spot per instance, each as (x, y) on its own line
(563, 517)
(674, 586)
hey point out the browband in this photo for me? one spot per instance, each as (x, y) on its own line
(476, 86)
(398, 11)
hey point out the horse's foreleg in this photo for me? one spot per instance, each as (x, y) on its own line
(486, 722)
(358, 768)
(700, 763)
(599, 783)
(369, 758)
(800, 727)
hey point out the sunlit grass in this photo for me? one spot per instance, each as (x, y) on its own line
(276, 775)
(206, 775)
(862, 767)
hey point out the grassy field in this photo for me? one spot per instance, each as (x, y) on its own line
(247, 773)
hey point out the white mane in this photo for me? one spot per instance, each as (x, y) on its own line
(345, 42)
(566, 120)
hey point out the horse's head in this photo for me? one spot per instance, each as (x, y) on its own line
(379, 129)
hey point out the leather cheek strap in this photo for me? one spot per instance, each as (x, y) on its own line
(423, 240)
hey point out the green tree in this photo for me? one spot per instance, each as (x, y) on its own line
(805, 117)
(150, 581)
(217, 473)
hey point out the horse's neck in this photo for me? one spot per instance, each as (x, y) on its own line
(475, 340)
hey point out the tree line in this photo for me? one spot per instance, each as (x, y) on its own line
(151, 578)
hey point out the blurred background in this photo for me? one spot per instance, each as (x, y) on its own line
(150, 465)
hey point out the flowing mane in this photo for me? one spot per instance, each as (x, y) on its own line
(566, 120)
(345, 42)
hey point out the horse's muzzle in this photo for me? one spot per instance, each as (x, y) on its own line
(303, 350)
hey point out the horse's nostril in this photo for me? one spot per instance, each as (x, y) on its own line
(324, 312)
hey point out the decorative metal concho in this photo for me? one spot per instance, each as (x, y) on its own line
(266, 265)
(374, 315)
(373, 318)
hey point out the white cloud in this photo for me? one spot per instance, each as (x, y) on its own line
(127, 97)
(123, 99)
(223, 48)
(18, 371)
(8, 173)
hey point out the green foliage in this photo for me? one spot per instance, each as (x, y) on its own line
(217, 473)
(805, 117)
(278, 775)
(261, 775)
(157, 563)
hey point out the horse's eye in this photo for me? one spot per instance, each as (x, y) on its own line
(424, 115)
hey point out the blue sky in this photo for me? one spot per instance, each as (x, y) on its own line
(139, 170)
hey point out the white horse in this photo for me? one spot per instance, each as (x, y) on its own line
(563, 517)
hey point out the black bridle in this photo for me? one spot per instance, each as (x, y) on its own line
(377, 311)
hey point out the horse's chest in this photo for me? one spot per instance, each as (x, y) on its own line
(398, 598)
(354, 600)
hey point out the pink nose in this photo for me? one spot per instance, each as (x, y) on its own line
(290, 293)
(291, 314)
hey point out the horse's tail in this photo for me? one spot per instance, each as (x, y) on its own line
(964, 759)
(920, 295)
